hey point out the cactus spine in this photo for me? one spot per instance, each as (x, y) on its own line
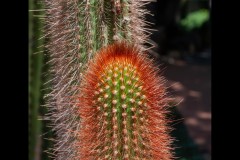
(75, 31)
(122, 107)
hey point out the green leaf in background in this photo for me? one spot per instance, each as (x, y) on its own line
(195, 19)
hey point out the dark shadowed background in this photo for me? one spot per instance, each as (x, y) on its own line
(182, 45)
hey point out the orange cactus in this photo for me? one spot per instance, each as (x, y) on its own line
(122, 106)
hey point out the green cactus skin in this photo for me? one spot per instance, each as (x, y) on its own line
(35, 83)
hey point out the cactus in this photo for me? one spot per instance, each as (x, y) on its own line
(35, 83)
(122, 106)
(76, 31)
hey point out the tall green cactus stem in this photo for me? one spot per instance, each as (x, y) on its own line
(122, 108)
(35, 83)
(75, 31)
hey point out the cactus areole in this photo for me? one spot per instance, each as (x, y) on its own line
(122, 105)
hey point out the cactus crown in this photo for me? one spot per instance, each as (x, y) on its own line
(122, 107)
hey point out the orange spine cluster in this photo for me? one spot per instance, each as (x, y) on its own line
(122, 107)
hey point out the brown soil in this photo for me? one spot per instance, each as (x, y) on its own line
(191, 85)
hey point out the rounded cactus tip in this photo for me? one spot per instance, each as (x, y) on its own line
(122, 105)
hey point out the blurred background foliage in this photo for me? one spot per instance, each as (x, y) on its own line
(182, 31)
(195, 19)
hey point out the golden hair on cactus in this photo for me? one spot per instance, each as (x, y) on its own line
(122, 105)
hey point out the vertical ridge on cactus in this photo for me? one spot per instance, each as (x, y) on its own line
(122, 106)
